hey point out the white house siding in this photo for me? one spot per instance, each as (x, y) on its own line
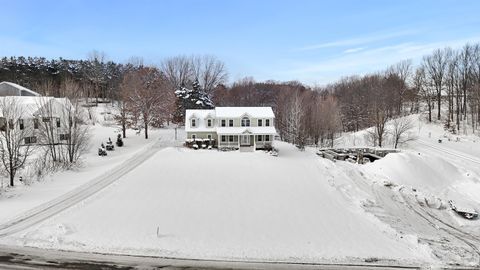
(233, 134)
(202, 135)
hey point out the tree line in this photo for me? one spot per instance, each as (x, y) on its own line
(445, 84)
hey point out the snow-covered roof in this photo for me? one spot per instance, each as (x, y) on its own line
(202, 116)
(201, 122)
(9, 89)
(235, 112)
(30, 106)
(246, 130)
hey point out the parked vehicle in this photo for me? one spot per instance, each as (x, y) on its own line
(463, 211)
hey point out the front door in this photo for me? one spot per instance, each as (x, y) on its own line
(245, 140)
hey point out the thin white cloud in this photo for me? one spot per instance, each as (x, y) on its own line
(358, 41)
(354, 50)
(366, 61)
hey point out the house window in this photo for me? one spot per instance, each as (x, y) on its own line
(245, 122)
(64, 137)
(30, 140)
(223, 123)
(267, 138)
(20, 124)
(259, 138)
(267, 122)
(194, 122)
(10, 124)
(224, 139)
(230, 138)
(260, 122)
(209, 122)
(209, 136)
(35, 123)
(194, 136)
(230, 123)
(58, 122)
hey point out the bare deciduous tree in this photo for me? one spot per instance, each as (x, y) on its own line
(148, 96)
(178, 70)
(48, 121)
(402, 70)
(14, 150)
(400, 130)
(206, 69)
(73, 124)
(96, 72)
(435, 67)
(209, 71)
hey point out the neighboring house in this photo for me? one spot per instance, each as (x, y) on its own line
(13, 89)
(251, 127)
(36, 115)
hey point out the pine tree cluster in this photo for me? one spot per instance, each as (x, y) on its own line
(195, 98)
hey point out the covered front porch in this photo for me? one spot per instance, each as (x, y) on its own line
(245, 140)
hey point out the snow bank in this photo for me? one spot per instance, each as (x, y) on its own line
(431, 174)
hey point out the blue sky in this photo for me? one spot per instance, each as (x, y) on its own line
(315, 42)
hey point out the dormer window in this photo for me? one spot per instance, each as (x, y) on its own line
(209, 122)
(194, 122)
(245, 122)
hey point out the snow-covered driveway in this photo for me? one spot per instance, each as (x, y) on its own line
(79, 194)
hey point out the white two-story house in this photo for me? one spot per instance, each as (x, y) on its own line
(250, 127)
(33, 115)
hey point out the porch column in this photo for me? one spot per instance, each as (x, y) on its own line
(238, 140)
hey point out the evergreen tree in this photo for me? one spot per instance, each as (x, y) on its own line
(195, 98)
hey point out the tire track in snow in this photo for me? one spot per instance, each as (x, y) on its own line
(449, 152)
(79, 194)
(450, 230)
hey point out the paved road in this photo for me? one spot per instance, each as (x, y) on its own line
(33, 258)
(453, 155)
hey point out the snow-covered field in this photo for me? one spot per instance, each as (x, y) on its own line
(294, 207)
(209, 204)
(15, 201)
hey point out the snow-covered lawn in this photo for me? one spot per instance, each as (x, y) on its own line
(210, 204)
(15, 201)
(294, 207)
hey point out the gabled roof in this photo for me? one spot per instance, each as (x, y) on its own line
(228, 112)
(201, 123)
(237, 112)
(21, 91)
(31, 106)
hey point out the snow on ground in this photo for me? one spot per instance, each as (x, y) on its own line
(210, 204)
(412, 189)
(294, 207)
(21, 198)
